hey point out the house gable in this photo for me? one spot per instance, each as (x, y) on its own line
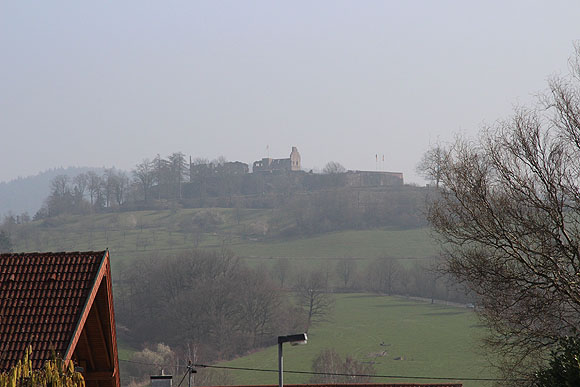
(61, 303)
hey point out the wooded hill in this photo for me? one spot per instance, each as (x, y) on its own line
(345, 239)
(323, 207)
(344, 199)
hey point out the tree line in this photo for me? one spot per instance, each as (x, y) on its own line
(213, 307)
(206, 301)
(384, 274)
(163, 182)
(114, 189)
(209, 303)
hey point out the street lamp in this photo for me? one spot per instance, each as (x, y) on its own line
(298, 339)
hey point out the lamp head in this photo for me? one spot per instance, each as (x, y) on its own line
(298, 339)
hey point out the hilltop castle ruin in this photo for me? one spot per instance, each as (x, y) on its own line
(271, 165)
(267, 166)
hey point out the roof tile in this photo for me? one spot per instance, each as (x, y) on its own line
(40, 302)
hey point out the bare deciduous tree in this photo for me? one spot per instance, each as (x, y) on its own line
(94, 186)
(333, 167)
(258, 306)
(430, 166)
(109, 181)
(179, 171)
(61, 199)
(220, 160)
(200, 161)
(209, 299)
(508, 219)
(121, 188)
(81, 181)
(282, 270)
(59, 185)
(346, 270)
(313, 297)
(144, 176)
(382, 274)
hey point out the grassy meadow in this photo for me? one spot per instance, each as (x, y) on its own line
(431, 340)
(131, 235)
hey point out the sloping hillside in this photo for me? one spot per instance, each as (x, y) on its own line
(130, 235)
(397, 336)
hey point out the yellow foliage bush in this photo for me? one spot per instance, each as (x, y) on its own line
(54, 374)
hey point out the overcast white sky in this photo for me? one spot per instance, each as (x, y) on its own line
(111, 83)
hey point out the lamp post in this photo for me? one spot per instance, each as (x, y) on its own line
(298, 339)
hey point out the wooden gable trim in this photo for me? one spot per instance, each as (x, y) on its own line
(106, 325)
(87, 307)
(103, 335)
(85, 341)
(112, 326)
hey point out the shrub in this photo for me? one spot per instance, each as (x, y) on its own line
(564, 368)
(56, 373)
(334, 369)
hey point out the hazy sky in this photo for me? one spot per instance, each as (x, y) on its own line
(111, 83)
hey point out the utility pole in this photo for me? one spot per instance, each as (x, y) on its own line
(190, 371)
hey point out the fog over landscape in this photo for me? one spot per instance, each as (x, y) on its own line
(186, 186)
(103, 85)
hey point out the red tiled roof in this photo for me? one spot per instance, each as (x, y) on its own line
(42, 299)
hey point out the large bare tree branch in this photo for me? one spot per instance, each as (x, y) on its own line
(508, 218)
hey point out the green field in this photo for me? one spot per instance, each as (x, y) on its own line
(433, 340)
(131, 235)
(413, 243)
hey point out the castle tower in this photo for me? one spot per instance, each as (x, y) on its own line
(295, 164)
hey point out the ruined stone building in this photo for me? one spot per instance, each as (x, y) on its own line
(219, 180)
(212, 169)
(274, 165)
(373, 178)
